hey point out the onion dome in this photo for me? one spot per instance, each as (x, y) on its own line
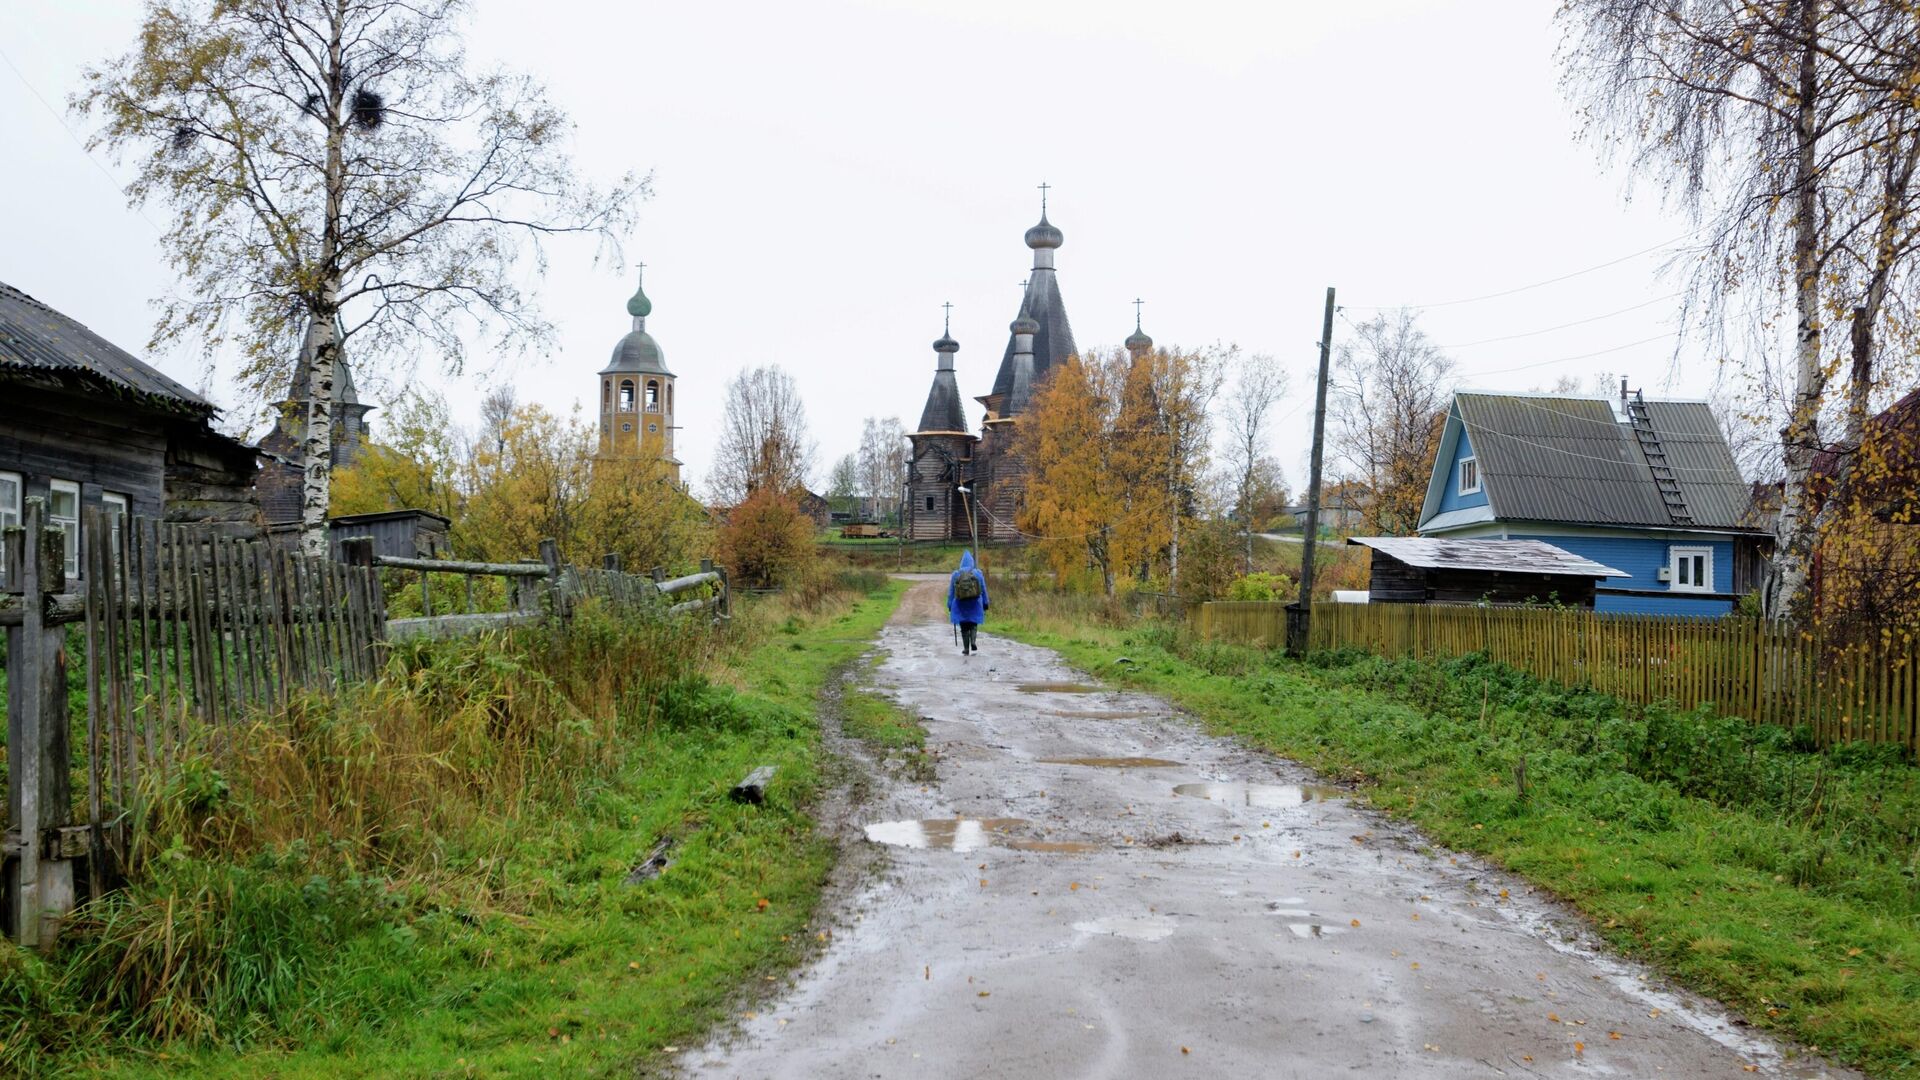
(1044, 235)
(946, 344)
(1138, 341)
(638, 305)
(1024, 323)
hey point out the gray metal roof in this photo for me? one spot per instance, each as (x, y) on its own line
(1518, 556)
(637, 353)
(1052, 342)
(36, 339)
(1567, 459)
(945, 410)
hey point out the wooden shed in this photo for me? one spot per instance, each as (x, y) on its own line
(406, 534)
(1439, 570)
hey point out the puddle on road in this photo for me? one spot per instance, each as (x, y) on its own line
(1058, 847)
(946, 834)
(1138, 928)
(1057, 688)
(1112, 762)
(1262, 796)
(1100, 714)
(1309, 931)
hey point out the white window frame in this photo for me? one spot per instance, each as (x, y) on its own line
(10, 511)
(1678, 559)
(72, 534)
(1469, 464)
(116, 519)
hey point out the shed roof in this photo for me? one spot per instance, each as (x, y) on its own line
(1519, 556)
(1546, 457)
(36, 339)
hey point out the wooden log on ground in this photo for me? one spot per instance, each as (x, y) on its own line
(753, 789)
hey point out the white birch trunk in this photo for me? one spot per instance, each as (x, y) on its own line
(317, 450)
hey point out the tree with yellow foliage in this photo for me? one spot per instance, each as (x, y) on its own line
(1075, 495)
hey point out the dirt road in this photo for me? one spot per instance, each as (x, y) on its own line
(1196, 909)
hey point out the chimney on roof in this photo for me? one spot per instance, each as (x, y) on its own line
(1623, 393)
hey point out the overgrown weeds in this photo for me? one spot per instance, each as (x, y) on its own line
(434, 864)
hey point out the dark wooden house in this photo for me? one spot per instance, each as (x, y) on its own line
(83, 422)
(1440, 570)
(405, 534)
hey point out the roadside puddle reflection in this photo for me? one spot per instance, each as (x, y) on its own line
(1057, 847)
(1262, 796)
(1057, 688)
(1309, 931)
(1138, 928)
(1113, 762)
(946, 834)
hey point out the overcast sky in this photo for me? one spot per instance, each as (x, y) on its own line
(828, 173)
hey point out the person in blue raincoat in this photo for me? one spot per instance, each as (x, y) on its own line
(967, 602)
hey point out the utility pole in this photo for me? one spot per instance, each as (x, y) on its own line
(1299, 627)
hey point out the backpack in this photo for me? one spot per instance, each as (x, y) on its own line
(966, 585)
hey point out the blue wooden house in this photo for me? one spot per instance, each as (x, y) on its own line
(1648, 487)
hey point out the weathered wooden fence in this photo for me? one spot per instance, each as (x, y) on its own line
(1765, 672)
(183, 632)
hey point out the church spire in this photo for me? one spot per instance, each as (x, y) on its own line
(1138, 342)
(1023, 327)
(1051, 341)
(944, 412)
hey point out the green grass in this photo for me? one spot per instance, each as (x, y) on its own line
(1782, 879)
(514, 947)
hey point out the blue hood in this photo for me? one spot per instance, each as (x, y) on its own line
(966, 560)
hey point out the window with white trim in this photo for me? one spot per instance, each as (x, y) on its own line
(1690, 569)
(10, 484)
(115, 505)
(9, 500)
(1469, 476)
(63, 513)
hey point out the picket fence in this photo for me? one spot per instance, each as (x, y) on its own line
(185, 632)
(1766, 672)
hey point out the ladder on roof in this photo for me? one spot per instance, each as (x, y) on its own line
(1656, 456)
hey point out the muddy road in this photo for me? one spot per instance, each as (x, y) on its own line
(1094, 888)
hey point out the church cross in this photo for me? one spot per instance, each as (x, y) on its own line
(1136, 312)
(948, 326)
(1043, 197)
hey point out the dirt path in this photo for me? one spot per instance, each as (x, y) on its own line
(1084, 920)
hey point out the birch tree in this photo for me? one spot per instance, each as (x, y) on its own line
(764, 443)
(1787, 130)
(338, 163)
(1386, 410)
(1258, 385)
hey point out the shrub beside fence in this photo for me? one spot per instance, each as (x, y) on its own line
(1765, 672)
(186, 632)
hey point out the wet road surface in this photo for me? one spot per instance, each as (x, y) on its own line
(1094, 888)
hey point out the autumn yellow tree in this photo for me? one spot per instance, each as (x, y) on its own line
(415, 466)
(1075, 495)
(1160, 452)
(634, 509)
(525, 482)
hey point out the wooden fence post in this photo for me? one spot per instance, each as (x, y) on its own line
(556, 587)
(39, 792)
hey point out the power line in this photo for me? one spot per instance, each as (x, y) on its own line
(1561, 359)
(77, 140)
(1538, 284)
(1562, 326)
(1476, 430)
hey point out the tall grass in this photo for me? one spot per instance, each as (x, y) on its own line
(303, 877)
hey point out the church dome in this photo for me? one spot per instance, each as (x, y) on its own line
(1024, 324)
(638, 305)
(1045, 234)
(637, 352)
(1139, 340)
(946, 344)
